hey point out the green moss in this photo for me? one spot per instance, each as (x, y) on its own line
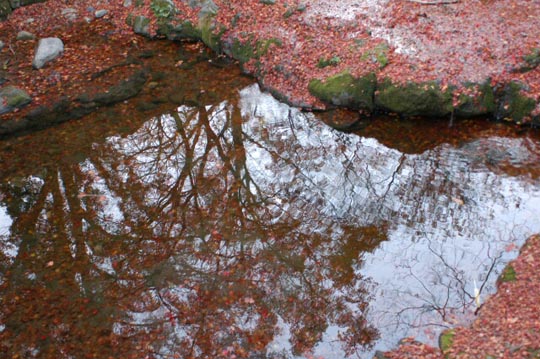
(5, 9)
(412, 99)
(531, 61)
(129, 20)
(378, 54)
(514, 106)
(189, 31)
(163, 9)
(13, 97)
(264, 45)
(334, 61)
(508, 274)
(267, 2)
(141, 25)
(481, 103)
(206, 26)
(446, 339)
(345, 90)
(207, 35)
(243, 52)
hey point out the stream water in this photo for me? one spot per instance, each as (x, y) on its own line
(205, 219)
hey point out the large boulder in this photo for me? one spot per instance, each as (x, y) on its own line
(48, 49)
(11, 98)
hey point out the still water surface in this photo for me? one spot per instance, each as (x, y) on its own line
(227, 224)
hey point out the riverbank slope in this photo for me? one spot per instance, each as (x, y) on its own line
(441, 58)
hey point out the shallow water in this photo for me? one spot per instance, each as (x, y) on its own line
(228, 224)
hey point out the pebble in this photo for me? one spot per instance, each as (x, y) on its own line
(101, 13)
(25, 35)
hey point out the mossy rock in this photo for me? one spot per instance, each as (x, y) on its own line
(414, 99)
(345, 90)
(446, 339)
(141, 25)
(12, 97)
(5, 9)
(508, 275)
(482, 103)
(245, 51)
(208, 37)
(206, 25)
(513, 105)
(183, 31)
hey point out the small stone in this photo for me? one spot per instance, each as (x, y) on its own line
(48, 49)
(127, 3)
(1, 45)
(25, 35)
(153, 85)
(101, 13)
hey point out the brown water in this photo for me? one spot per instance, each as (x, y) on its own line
(205, 219)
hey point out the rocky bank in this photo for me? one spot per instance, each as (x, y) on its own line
(442, 58)
(412, 57)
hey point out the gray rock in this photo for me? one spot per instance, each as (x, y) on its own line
(12, 97)
(25, 35)
(101, 13)
(1, 45)
(127, 3)
(48, 49)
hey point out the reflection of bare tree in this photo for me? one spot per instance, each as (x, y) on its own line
(166, 244)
